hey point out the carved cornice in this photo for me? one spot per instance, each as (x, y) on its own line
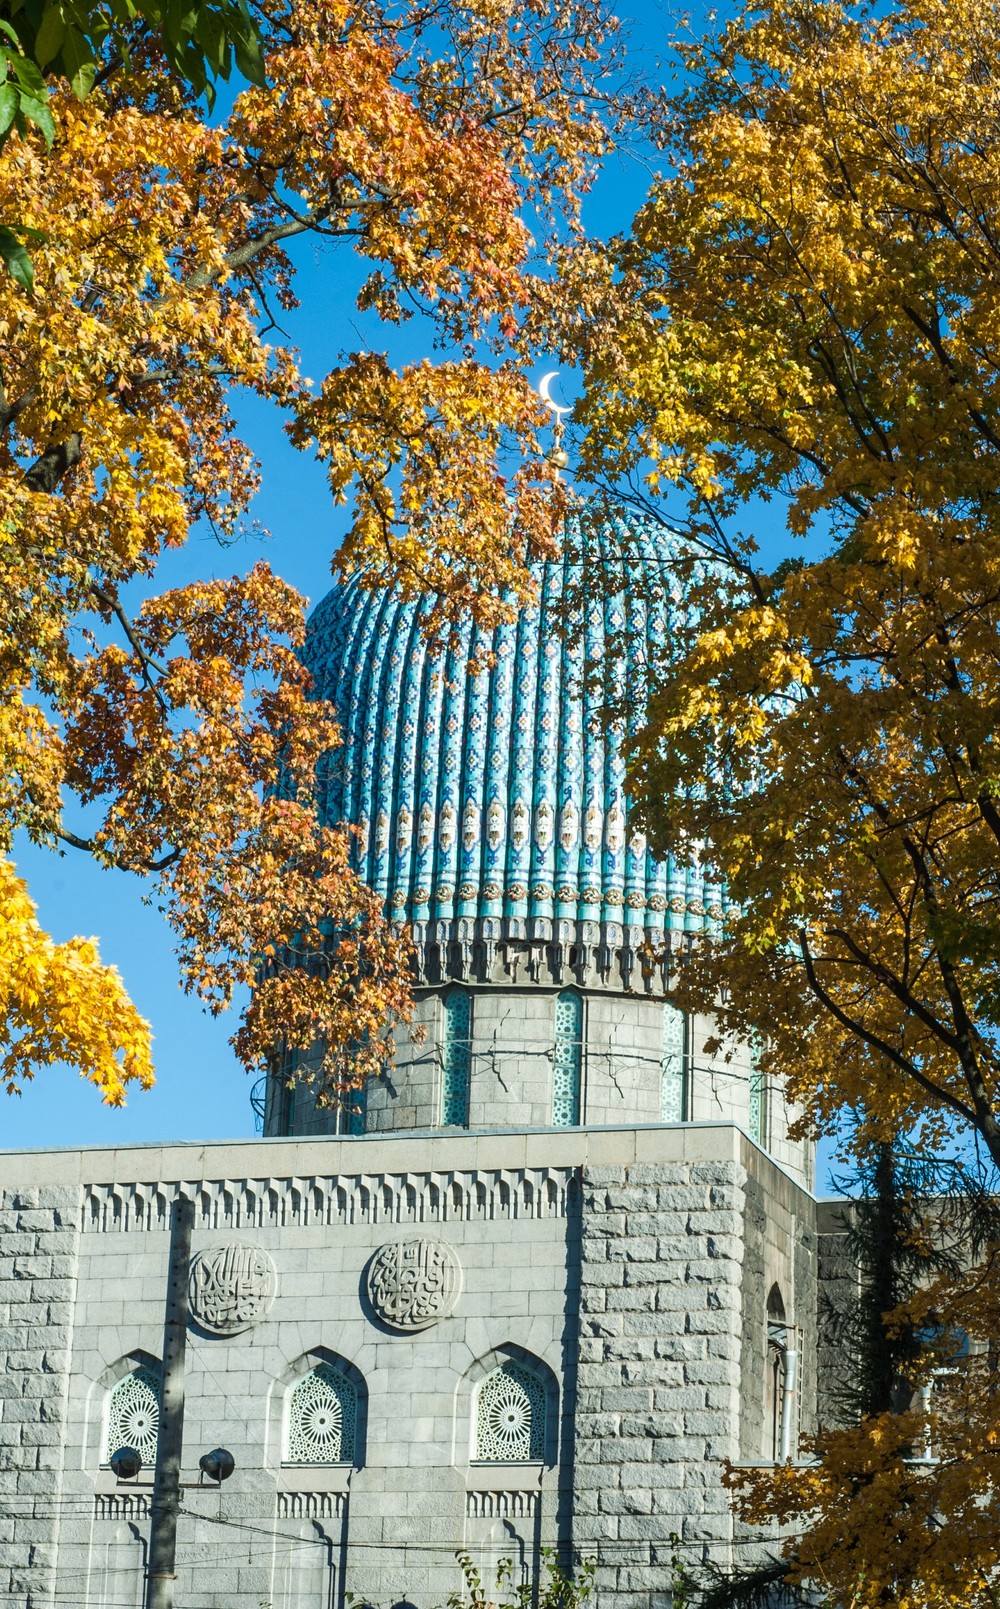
(556, 951)
(487, 1505)
(397, 1198)
(310, 1505)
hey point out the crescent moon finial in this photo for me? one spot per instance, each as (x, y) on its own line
(545, 392)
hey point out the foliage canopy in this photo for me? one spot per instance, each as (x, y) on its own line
(805, 322)
(152, 734)
(803, 330)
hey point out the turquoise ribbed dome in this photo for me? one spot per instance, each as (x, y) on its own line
(493, 806)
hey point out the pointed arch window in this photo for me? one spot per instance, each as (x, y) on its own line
(133, 1415)
(674, 1075)
(351, 1111)
(456, 1058)
(757, 1116)
(567, 1060)
(322, 1414)
(780, 1381)
(509, 1409)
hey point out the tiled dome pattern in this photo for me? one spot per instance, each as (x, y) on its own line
(498, 799)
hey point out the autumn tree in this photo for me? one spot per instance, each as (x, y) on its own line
(898, 1504)
(800, 336)
(891, 1503)
(153, 735)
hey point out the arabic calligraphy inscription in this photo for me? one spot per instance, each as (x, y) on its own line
(230, 1287)
(414, 1283)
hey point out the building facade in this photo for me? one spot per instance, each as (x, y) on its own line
(527, 1293)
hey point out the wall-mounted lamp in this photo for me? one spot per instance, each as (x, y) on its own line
(218, 1465)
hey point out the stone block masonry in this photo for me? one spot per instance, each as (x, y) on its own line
(39, 1250)
(659, 1377)
(624, 1268)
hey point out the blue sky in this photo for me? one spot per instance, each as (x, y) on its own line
(202, 1092)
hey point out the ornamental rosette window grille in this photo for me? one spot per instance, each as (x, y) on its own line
(510, 1416)
(322, 1418)
(134, 1415)
(566, 1062)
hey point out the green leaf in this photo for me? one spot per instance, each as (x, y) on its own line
(29, 77)
(6, 28)
(23, 230)
(211, 36)
(37, 112)
(249, 58)
(8, 106)
(78, 63)
(82, 81)
(51, 31)
(17, 259)
(179, 22)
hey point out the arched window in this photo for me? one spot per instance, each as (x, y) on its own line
(133, 1418)
(567, 1060)
(509, 1409)
(758, 1099)
(351, 1111)
(774, 1380)
(673, 1080)
(321, 1425)
(457, 1058)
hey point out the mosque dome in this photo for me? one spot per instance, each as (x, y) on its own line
(491, 805)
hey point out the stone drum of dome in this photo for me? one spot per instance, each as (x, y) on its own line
(492, 805)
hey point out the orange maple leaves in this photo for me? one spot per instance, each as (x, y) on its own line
(415, 143)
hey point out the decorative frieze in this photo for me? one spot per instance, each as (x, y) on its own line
(501, 1505)
(121, 1506)
(400, 1198)
(310, 1505)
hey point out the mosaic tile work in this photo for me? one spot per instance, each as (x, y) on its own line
(757, 1115)
(567, 1058)
(500, 793)
(456, 1057)
(673, 1106)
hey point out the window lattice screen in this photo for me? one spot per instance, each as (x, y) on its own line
(757, 1114)
(673, 1084)
(510, 1416)
(457, 1058)
(322, 1418)
(567, 1060)
(134, 1415)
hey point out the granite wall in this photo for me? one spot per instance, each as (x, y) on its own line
(511, 1062)
(612, 1264)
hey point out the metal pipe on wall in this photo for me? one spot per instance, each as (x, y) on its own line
(161, 1572)
(789, 1387)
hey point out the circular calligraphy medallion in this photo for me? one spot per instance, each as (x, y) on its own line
(413, 1283)
(230, 1288)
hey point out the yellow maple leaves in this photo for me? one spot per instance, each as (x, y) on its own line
(58, 1003)
(801, 337)
(160, 265)
(803, 326)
